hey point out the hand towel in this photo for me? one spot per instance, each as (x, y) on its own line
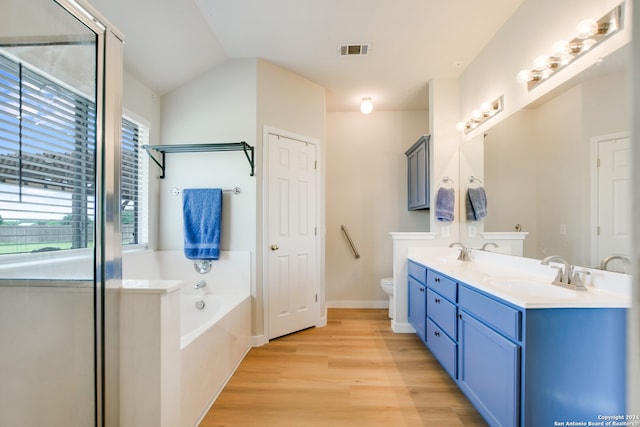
(202, 217)
(476, 204)
(445, 199)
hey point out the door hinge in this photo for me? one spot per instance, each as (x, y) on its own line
(598, 230)
(315, 231)
(598, 162)
(316, 297)
(315, 164)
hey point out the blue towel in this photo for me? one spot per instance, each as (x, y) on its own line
(476, 204)
(202, 212)
(445, 199)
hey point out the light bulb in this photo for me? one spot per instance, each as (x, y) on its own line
(560, 48)
(461, 126)
(476, 114)
(485, 108)
(524, 76)
(586, 28)
(366, 107)
(540, 63)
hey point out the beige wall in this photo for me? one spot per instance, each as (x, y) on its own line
(231, 103)
(367, 192)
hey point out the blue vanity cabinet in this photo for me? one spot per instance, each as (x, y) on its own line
(489, 360)
(417, 298)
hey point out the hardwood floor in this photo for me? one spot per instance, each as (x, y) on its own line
(353, 372)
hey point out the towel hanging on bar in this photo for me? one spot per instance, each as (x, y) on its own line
(202, 215)
(476, 203)
(445, 200)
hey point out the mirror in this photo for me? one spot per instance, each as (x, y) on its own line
(539, 169)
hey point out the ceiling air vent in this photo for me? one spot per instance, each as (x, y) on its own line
(354, 49)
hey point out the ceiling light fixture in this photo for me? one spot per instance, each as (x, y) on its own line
(589, 33)
(366, 106)
(482, 114)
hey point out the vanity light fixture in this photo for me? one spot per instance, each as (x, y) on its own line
(589, 33)
(482, 114)
(366, 106)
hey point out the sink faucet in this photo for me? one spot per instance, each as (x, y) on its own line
(199, 285)
(605, 261)
(464, 254)
(484, 247)
(568, 276)
(564, 272)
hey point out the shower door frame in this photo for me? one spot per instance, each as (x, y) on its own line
(108, 239)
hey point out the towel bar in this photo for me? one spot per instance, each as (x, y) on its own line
(234, 190)
(353, 248)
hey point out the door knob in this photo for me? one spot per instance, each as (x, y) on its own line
(275, 247)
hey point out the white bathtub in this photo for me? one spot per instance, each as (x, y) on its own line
(199, 349)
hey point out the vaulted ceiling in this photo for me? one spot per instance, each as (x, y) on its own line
(169, 42)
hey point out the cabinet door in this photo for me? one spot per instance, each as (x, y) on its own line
(418, 174)
(489, 371)
(417, 309)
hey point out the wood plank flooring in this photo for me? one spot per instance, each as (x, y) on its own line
(353, 372)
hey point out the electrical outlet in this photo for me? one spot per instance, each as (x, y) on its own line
(472, 231)
(563, 229)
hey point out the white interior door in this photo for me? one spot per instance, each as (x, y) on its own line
(292, 240)
(614, 200)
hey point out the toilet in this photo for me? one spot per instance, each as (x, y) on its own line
(387, 286)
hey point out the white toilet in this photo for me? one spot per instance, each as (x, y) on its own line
(387, 285)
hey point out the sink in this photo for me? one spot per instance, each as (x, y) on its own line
(531, 288)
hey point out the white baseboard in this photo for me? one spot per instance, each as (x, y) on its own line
(258, 340)
(358, 304)
(402, 328)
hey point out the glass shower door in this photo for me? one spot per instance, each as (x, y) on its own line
(48, 195)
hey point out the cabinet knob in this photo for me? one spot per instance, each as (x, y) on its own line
(275, 247)
(437, 279)
(437, 300)
(436, 333)
(459, 316)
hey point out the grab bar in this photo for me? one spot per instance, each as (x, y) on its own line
(353, 248)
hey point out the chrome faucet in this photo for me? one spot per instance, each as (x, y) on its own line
(199, 285)
(464, 254)
(484, 247)
(568, 276)
(605, 261)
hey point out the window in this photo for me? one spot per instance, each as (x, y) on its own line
(133, 192)
(47, 165)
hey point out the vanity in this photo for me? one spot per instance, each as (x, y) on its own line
(524, 352)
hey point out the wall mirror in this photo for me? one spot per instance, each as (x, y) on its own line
(541, 171)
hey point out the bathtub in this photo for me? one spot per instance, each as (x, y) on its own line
(180, 344)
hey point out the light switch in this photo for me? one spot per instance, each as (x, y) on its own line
(563, 229)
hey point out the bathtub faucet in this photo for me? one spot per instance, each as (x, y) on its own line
(199, 285)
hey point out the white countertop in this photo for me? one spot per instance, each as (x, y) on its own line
(525, 282)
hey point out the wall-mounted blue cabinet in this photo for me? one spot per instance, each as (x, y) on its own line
(522, 367)
(418, 174)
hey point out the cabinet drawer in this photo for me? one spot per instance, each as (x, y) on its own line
(442, 312)
(418, 272)
(442, 284)
(443, 348)
(497, 315)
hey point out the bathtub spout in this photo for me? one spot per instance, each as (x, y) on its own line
(199, 285)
